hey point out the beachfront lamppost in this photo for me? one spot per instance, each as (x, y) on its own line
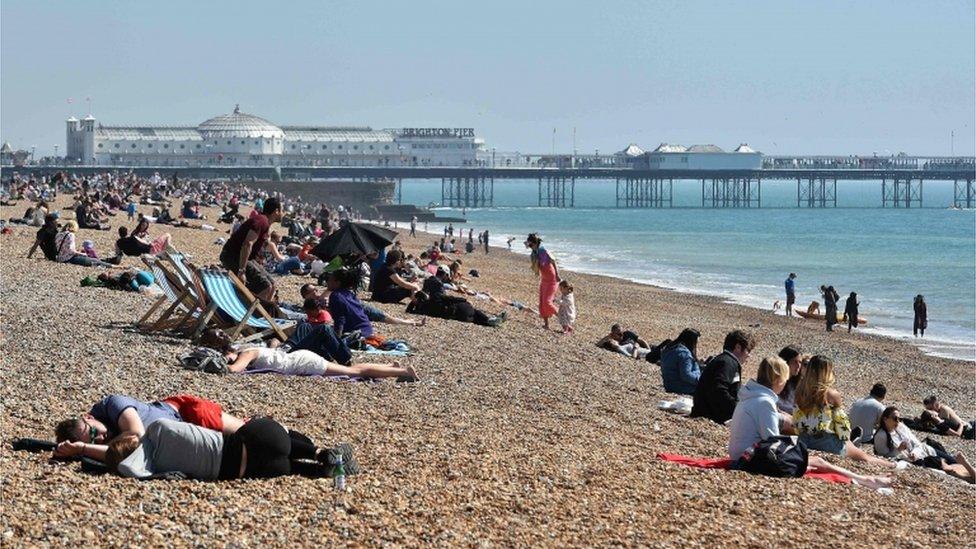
(56, 160)
(33, 148)
(493, 157)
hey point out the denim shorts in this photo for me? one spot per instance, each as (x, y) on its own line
(825, 442)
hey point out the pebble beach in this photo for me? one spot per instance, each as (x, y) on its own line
(514, 436)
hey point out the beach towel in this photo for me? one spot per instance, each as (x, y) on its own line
(370, 350)
(726, 463)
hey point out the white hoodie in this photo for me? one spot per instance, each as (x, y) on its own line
(755, 418)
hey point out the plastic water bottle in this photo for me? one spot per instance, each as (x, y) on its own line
(340, 475)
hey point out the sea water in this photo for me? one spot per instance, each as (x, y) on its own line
(887, 256)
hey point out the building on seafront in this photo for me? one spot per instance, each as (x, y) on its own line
(241, 139)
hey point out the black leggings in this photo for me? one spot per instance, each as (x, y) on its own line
(393, 294)
(272, 451)
(465, 312)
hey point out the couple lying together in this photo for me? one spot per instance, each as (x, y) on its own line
(185, 436)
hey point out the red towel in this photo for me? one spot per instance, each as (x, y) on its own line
(725, 463)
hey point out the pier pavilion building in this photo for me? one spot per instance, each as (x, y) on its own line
(242, 139)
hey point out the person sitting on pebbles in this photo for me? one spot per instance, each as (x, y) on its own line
(756, 419)
(894, 440)
(261, 448)
(88, 435)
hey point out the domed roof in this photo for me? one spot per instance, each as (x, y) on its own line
(239, 124)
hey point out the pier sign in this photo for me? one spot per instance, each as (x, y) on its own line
(437, 132)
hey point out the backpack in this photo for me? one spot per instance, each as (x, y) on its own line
(654, 357)
(204, 359)
(779, 456)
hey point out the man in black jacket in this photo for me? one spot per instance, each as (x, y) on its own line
(718, 387)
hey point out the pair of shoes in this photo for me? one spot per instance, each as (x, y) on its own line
(497, 321)
(330, 456)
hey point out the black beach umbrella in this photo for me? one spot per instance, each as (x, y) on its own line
(354, 239)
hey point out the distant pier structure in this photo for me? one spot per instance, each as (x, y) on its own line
(639, 180)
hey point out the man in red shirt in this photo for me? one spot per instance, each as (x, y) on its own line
(241, 251)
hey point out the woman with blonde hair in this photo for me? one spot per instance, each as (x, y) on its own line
(544, 266)
(820, 419)
(67, 251)
(756, 419)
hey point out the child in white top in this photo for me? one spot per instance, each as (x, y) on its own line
(567, 306)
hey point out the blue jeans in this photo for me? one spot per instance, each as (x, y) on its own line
(85, 261)
(320, 339)
(373, 314)
(288, 265)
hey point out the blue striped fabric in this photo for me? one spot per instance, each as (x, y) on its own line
(220, 288)
(163, 283)
(180, 261)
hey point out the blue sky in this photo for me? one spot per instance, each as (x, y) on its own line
(786, 77)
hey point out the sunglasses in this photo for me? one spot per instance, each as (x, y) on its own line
(92, 431)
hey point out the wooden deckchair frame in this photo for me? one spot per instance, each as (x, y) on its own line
(251, 304)
(184, 299)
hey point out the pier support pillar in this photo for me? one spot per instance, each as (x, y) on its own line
(644, 192)
(816, 192)
(557, 191)
(468, 192)
(732, 192)
(963, 195)
(901, 192)
(399, 190)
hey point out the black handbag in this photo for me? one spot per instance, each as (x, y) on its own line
(780, 456)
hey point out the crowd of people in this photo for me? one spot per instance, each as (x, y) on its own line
(795, 394)
(792, 394)
(142, 439)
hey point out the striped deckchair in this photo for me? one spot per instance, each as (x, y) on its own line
(179, 298)
(183, 270)
(222, 291)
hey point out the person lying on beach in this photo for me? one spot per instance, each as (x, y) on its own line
(718, 386)
(820, 419)
(304, 362)
(945, 418)
(756, 419)
(894, 440)
(680, 368)
(625, 342)
(433, 301)
(931, 422)
(87, 435)
(320, 339)
(262, 448)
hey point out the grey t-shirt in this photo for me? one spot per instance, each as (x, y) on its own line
(865, 414)
(176, 446)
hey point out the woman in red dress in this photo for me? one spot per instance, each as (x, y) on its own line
(544, 266)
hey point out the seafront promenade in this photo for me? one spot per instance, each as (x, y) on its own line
(514, 436)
